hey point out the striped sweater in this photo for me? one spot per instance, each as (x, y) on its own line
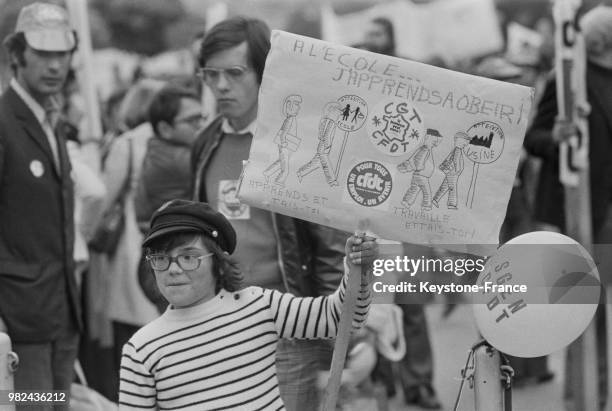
(220, 355)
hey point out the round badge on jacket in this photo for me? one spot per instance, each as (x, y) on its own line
(37, 168)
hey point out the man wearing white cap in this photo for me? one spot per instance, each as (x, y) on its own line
(39, 303)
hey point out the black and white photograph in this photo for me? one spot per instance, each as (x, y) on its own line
(305, 205)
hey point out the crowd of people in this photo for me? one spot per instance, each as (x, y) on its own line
(198, 300)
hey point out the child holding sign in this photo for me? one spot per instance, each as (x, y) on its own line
(215, 345)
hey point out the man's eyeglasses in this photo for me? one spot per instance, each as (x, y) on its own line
(211, 76)
(187, 262)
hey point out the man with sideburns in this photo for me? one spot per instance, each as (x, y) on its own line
(39, 302)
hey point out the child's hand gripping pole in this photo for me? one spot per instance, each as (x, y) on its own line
(346, 321)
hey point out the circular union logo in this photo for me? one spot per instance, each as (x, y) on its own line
(396, 127)
(353, 112)
(486, 142)
(369, 183)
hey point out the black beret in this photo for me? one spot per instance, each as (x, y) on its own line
(191, 216)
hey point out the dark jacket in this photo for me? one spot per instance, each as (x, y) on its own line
(165, 175)
(549, 204)
(311, 254)
(38, 292)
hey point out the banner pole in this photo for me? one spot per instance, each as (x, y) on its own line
(581, 384)
(343, 336)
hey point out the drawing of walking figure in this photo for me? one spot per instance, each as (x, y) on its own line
(452, 167)
(327, 131)
(355, 116)
(422, 165)
(346, 112)
(287, 140)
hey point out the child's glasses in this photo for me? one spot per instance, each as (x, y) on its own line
(187, 262)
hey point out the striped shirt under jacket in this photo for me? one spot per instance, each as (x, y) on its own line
(221, 354)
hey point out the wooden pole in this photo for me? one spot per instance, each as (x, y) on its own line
(581, 371)
(343, 338)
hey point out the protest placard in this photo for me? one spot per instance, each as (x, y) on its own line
(426, 155)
